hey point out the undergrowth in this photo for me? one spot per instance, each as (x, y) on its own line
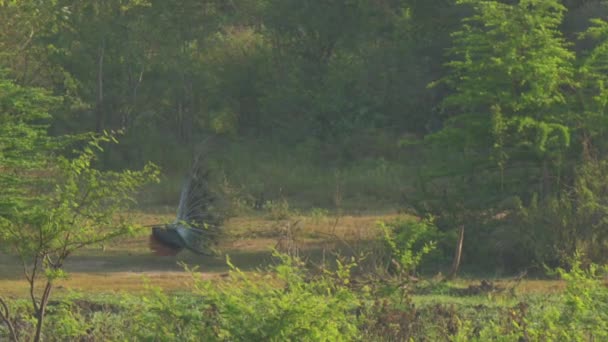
(290, 302)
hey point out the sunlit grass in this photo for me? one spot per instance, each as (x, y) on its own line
(123, 264)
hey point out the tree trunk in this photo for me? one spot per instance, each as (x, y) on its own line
(5, 316)
(457, 254)
(42, 310)
(99, 111)
(546, 181)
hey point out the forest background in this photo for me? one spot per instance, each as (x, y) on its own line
(478, 115)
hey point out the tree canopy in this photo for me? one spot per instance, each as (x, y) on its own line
(496, 109)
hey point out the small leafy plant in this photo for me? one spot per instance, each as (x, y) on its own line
(408, 241)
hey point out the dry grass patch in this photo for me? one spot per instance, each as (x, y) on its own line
(132, 282)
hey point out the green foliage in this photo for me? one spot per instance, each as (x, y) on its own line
(409, 241)
(511, 56)
(509, 68)
(521, 107)
(298, 91)
(283, 304)
(288, 303)
(54, 205)
(23, 141)
(81, 206)
(278, 210)
(319, 215)
(280, 305)
(286, 308)
(191, 317)
(578, 315)
(576, 219)
(262, 172)
(593, 68)
(67, 322)
(79, 209)
(583, 314)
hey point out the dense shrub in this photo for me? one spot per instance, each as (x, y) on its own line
(579, 314)
(283, 306)
(410, 240)
(280, 305)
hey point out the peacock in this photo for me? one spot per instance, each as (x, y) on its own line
(197, 225)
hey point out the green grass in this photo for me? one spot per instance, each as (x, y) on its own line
(262, 171)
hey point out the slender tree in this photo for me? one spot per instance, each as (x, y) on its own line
(51, 206)
(505, 125)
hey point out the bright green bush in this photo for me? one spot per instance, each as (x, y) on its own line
(158, 316)
(409, 241)
(279, 305)
(582, 314)
(283, 305)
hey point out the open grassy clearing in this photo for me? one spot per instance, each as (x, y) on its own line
(128, 265)
(125, 263)
(122, 290)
